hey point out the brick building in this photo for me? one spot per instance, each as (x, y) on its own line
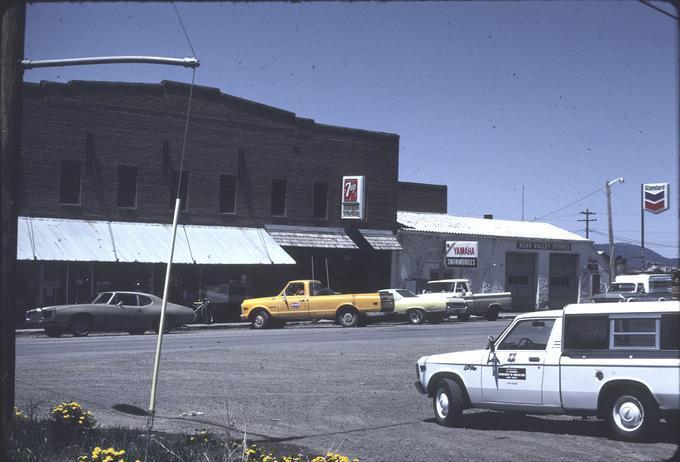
(261, 190)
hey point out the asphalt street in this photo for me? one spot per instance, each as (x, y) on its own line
(316, 385)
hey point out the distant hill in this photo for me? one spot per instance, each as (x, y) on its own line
(632, 253)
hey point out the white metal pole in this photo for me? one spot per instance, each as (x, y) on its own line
(161, 322)
(185, 62)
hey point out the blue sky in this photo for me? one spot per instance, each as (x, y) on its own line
(487, 97)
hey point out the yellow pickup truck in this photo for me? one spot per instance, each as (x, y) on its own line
(308, 300)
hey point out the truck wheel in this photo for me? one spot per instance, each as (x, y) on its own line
(348, 317)
(276, 324)
(261, 320)
(80, 326)
(463, 317)
(448, 403)
(632, 415)
(416, 316)
(53, 332)
(492, 314)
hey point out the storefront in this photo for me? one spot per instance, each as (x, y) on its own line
(68, 261)
(542, 265)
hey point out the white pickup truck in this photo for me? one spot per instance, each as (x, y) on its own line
(452, 291)
(619, 362)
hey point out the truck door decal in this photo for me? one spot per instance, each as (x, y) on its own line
(512, 373)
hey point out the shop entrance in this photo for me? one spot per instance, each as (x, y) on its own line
(563, 287)
(520, 279)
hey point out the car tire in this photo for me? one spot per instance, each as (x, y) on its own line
(448, 403)
(169, 324)
(632, 415)
(261, 320)
(80, 326)
(276, 324)
(53, 332)
(348, 317)
(463, 317)
(492, 314)
(416, 317)
(136, 331)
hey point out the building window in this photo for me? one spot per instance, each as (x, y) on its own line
(127, 186)
(69, 188)
(183, 189)
(514, 280)
(227, 194)
(320, 200)
(278, 197)
(560, 281)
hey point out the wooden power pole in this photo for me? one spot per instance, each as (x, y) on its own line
(11, 81)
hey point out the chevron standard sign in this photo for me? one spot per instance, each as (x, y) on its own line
(655, 197)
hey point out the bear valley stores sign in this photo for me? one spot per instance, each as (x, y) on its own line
(465, 253)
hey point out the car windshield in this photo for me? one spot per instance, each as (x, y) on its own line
(102, 298)
(622, 287)
(436, 287)
(406, 293)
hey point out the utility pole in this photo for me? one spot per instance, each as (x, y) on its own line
(11, 80)
(587, 213)
(612, 258)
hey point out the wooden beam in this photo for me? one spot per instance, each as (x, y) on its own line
(11, 78)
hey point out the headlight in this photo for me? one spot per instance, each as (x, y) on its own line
(47, 314)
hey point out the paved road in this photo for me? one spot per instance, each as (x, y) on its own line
(318, 386)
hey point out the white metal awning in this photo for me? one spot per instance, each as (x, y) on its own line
(381, 239)
(308, 236)
(55, 239)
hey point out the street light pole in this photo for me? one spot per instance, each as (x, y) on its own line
(612, 259)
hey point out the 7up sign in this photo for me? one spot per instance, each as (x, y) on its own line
(655, 197)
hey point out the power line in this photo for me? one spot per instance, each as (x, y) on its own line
(186, 34)
(569, 204)
(637, 242)
(670, 15)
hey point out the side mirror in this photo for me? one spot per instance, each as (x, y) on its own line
(490, 344)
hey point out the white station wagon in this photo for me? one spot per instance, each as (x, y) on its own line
(619, 362)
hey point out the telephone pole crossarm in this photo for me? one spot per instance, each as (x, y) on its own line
(588, 213)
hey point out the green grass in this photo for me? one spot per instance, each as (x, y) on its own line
(31, 439)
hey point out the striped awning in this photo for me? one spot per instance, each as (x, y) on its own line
(56, 239)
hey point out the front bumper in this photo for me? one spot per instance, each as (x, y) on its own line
(41, 317)
(379, 314)
(420, 388)
(456, 308)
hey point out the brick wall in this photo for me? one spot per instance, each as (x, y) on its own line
(421, 197)
(129, 124)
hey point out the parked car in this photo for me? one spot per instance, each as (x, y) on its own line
(637, 288)
(618, 362)
(309, 300)
(417, 309)
(133, 312)
(476, 304)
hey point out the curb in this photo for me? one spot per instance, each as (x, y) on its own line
(237, 325)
